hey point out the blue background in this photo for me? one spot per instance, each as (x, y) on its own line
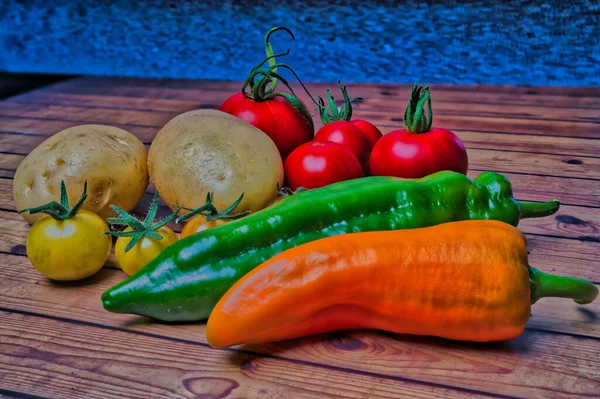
(512, 42)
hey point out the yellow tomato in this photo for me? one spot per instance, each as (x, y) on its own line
(70, 249)
(144, 251)
(199, 223)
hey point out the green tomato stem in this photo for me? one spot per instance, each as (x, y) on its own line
(330, 112)
(415, 120)
(60, 211)
(210, 211)
(140, 229)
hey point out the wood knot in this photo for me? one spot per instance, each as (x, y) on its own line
(347, 343)
(573, 162)
(19, 249)
(210, 387)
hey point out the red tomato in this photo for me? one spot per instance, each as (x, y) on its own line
(283, 123)
(414, 155)
(370, 130)
(319, 163)
(347, 135)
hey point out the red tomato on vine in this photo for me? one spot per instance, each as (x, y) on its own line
(370, 130)
(358, 136)
(418, 150)
(281, 115)
(320, 163)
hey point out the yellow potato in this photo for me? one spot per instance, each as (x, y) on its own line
(112, 160)
(210, 151)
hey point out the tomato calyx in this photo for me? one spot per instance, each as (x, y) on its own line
(139, 229)
(287, 192)
(330, 112)
(261, 82)
(60, 211)
(415, 120)
(210, 212)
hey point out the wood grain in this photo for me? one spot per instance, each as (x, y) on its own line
(561, 97)
(564, 366)
(383, 119)
(391, 105)
(29, 126)
(57, 341)
(58, 359)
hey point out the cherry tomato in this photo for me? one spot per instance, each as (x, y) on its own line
(348, 135)
(414, 155)
(283, 123)
(199, 223)
(70, 249)
(370, 130)
(144, 251)
(319, 163)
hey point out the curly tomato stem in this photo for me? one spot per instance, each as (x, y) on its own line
(261, 82)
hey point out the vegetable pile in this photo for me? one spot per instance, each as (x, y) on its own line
(289, 232)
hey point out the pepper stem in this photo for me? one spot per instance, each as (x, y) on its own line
(548, 285)
(538, 209)
(330, 112)
(415, 120)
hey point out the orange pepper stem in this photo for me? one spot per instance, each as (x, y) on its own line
(547, 285)
(538, 209)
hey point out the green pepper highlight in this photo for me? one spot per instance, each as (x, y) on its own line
(187, 280)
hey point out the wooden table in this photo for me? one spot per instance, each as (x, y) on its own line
(57, 341)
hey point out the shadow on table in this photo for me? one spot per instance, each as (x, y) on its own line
(346, 349)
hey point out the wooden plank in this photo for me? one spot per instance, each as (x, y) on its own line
(566, 257)
(543, 164)
(18, 143)
(9, 164)
(565, 91)
(392, 106)
(85, 115)
(537, 364)
(55, 358)
(96, 101)
(566, 146)
(400, 93)
(30, 126)
(91, 82)
(492, 124)
(383, 119)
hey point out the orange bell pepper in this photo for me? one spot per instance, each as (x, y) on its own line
(466, 280)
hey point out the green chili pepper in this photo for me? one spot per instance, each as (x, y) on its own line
(187, 280)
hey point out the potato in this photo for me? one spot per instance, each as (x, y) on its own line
(210, 151)
(112, 160)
